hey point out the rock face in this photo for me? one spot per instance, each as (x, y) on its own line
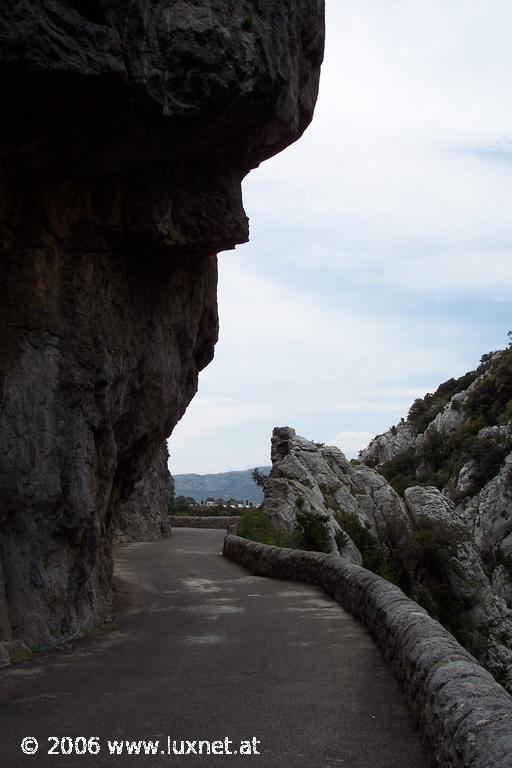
(460, 439)
(388, 445)
(303, 478)
(317, 478)
(491, 513)
(481, 610)
(145, 516)
(127, 131)
(424, 540)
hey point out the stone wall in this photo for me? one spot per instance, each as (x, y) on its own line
(194, 521)
(464, 715)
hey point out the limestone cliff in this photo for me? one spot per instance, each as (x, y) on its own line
(126, 132)
(145, 515)
(459, 440)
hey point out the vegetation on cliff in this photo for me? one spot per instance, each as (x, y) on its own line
(439, 457)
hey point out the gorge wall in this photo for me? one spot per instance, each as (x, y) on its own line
(146, 514)
(126, 134)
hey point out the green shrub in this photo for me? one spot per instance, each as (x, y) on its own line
(254, 524)
(505, 415)
(312, 531)
(435, 448)
(423, 411)
(359, 532)
(491, 398)
(441, 456)
(259, 477)
(431, 546)
(400, 472)
(182, 505)
(442, 604)
(381, 558)
(488, 457)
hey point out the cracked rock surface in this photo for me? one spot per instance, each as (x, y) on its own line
(145, 515)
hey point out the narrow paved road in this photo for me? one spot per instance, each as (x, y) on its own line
(203, 650)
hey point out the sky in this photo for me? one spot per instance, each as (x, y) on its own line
(379, 259)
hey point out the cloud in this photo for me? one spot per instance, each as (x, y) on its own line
(379, 263)
(371, 406)
(289, 356)
(392, 184)
(206, 415)
(293, 336)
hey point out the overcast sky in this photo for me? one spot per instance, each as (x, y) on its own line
(379, 263)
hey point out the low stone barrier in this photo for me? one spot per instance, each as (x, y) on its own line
(194, 521)
(464, 715)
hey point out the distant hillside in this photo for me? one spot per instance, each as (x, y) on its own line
(224, 485)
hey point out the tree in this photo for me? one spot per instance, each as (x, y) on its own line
(431, 546)
(258, 477)
(182, 505)
(312, 530)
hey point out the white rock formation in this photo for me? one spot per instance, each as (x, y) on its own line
(388, 445)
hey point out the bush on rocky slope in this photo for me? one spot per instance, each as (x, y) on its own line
(255, 525)
(311, 530)
(424, 410)
(439, 457)
(491, 398)
(413, 558)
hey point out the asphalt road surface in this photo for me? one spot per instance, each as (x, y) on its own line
(202, 650)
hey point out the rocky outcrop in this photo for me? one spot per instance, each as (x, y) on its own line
(127, 131)
(491, 514)
(316, 478)
(423, 541)
(481, 610)
(388, 445)
(461, 442)
(442, 413)
(145, 516)
(451, 417)
(299, 472)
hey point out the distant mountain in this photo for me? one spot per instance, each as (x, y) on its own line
(224, 485)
